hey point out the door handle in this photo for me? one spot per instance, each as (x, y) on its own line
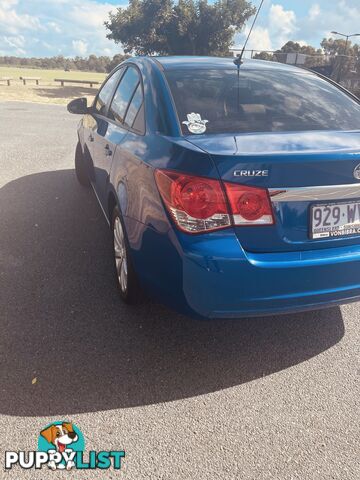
(108, 151)
(91, 138)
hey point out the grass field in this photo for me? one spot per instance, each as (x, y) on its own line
(49, 75)
(48, 91)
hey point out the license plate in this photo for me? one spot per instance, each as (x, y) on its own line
(335, 220)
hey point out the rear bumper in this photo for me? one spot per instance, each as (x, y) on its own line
(237, 283)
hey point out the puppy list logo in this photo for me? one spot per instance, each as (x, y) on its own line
(67, 440)
(61, 446)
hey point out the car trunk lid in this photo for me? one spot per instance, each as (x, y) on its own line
(288, 164)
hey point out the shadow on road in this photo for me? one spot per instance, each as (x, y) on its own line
(62, 321)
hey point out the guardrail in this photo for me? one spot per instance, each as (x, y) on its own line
(28, 79)
(86, 82)
(6, 79)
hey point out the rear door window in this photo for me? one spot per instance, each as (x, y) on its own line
(134, 117)
(126, 95)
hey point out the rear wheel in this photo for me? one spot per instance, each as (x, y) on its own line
(127, 281)
(80, 167)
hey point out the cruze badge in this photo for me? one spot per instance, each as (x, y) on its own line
(357, 172)
(195, 123)
(252, 173)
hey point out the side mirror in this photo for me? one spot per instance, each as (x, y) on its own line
(78, 106)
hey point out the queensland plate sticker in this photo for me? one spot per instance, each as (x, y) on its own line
(195, 123)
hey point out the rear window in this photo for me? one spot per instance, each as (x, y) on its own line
(259, 101)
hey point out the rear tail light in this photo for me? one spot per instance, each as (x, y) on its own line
(196, 204)
(249, 205)
(199, 204)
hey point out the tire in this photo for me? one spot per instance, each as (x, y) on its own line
(126, 278)
(80, 167)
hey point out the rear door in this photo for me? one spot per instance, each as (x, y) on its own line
(112, 130)
(100, 153)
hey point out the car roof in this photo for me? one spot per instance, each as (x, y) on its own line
(197, 62)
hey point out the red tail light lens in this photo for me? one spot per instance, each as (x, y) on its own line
(196, 204)
(249, 205)
(199, 204)
(198, 199)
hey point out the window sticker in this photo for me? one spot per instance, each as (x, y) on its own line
(195, 123)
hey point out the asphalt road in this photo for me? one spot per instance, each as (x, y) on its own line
(267, 398)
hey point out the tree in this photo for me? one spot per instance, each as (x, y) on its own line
(345, 56)
(93, 63)
(313, 54)
(264, 56)
(314, 57)
(115, 61)
(187, 27)
(336, 46)
(295, 47)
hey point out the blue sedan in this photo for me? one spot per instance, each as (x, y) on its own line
(231, 190)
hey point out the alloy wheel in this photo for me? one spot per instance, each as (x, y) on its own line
(120, 255)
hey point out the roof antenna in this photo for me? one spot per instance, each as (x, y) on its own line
(238, 60)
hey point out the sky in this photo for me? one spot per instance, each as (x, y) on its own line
(45, 28)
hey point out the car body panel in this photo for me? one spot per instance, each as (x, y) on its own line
(107, 139)
(132, 174)
(237, 283)
(297, 159)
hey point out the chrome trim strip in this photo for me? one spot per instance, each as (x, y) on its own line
(303, 194)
